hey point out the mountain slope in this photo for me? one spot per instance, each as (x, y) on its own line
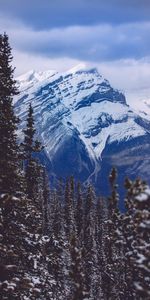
(144, 109)
(85, 125)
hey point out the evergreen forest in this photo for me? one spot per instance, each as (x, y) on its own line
(64, 242)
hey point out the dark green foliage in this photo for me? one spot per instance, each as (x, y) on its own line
(29, 147)
(141, 259)
(9, 173)
(70, 225)
(79, 213)
(46, 202)
(77, 271)
(90, 251)
(24, 268)
(29, 135)
(137, 239)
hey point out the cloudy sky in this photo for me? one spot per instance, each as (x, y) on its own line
(112, 35)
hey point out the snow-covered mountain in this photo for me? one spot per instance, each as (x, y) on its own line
(85, 125)
(144, 109)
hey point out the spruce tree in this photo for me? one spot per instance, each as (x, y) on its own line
(115, 253)
(136, 239)
(141, 259)
(77, 271)
(100, 234)
(46, 201)
(24, 273)
(9, 162)
(90, 251)
(70, 225)
(55, 248)
(31, 146)
(79, 214)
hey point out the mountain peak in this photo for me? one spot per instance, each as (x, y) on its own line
(79, 67)
(26, 76)
(83, 121)
(83, 68)
(33, 75)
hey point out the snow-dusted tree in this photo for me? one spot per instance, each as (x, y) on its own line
(30, 146)
(142, 244)
(136, 235)
(99, 228)
(9, 163)
(103, 244)
(24, 270)
(45, 196)
(114, 244)
(79, 214)
(55, 250)
(128, 237)
(78, 288)
(72, 190)
(100, 235)
(89, 250)
(70, 225)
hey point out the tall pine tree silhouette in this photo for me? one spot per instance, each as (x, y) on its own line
(9, 175)
(31, 146)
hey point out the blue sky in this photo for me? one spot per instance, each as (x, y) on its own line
(112, 35)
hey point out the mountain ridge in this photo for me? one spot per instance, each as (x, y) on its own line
(78, 112)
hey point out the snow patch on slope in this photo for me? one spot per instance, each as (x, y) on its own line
(105, 122)
(142, 106)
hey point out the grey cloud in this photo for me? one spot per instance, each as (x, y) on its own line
(59, 13)
(92, 43)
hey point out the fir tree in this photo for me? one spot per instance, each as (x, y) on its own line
(55, 249)
(112, 249)
(100, 236)
(46, 202)
(79, 213)
(141, 259)
(9, 163)
(136, 237)
(90, 251)
(77, 270)
(31, 146)
(69, 210)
